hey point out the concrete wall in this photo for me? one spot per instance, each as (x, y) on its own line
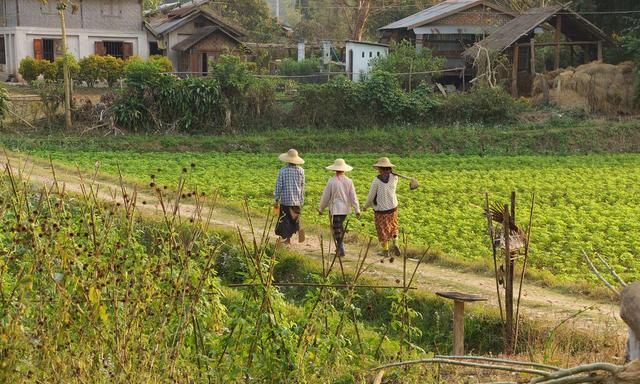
(81, 43)
(122, 15)
(362, 56)
(95, 20)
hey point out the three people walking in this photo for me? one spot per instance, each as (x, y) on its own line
(340, 198)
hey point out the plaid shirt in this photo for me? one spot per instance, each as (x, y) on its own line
(290, 186)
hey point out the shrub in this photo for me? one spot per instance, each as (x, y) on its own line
(336, 103)
(483, 105)
(52, 95)
(4, 102)
(111, 69)
(291, 67)
(74, 67)
(130, 113)
(141, 74)
(383, 97)
(48, 69)
(235, 78)
(163, 62)
(91, 69)
(29, 69)
(403, 58)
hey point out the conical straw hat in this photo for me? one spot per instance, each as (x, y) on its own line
(339, 165)
(291, 156)
(383, 162)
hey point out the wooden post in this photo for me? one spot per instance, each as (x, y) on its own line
(571, 54)
(419, 42)
(514, 71)
(533, 58)
(513, 209)
(458, 328)
(458, 317)
(599, 50)
(557, 40)
(508, 299)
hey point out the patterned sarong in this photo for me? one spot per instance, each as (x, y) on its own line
(288, 221)
(387, 225)
(337, 224)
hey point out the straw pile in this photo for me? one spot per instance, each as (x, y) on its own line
(595, 87)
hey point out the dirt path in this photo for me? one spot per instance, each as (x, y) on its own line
(537, 302)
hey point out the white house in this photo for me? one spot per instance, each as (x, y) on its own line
(359, 55)
(104, 27)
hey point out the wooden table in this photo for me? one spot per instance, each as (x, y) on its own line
(458, 317)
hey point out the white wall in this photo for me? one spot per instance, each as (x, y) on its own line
(363, 53)
(81, 43)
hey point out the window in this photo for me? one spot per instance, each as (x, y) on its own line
(118, 49)
(114, 48)
(370, 54)
(3, 56)
(154, 49)
(378, 54)
(362, 54)
(47, 49)
(111, 8)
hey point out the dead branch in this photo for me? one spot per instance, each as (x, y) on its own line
(597, 273)
(612, 271)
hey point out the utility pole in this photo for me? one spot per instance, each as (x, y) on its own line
(61, 7)
(278, 10)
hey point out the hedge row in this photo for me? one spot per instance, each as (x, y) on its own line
(90, 70)
(232, 98)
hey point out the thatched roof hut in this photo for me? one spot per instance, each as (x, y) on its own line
(517, 40)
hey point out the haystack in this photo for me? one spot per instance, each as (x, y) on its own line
(595, 87)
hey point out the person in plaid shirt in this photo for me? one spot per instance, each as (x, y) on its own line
(289, 196)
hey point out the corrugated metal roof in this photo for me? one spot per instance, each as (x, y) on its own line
(436, 12)
(575, 27)
(512, 31)
(162, 24)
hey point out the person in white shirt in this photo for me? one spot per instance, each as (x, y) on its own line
(340, 197)
(382, 197)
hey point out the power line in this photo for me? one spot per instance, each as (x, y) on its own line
(397, 6)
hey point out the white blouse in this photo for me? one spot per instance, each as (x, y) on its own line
(383, 193)
(340, 196)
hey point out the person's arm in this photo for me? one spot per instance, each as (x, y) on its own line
(302, 187)
(278, 191)
(326, 197)
(354, 198)
(372, 194)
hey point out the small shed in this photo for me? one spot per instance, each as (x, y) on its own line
(517, 39)
(359, 55)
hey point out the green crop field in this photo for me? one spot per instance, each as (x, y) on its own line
(582, 202)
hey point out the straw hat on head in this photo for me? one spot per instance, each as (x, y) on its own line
(383, 162)
(291, 156)
(339, 165)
